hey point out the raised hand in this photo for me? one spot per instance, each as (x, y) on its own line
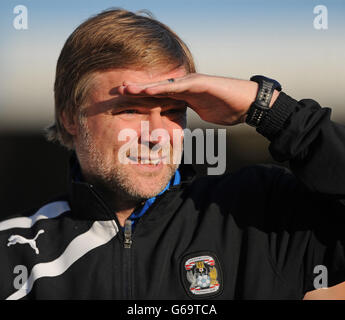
(219, 100)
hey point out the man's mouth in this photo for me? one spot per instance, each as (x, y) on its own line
(147, 161)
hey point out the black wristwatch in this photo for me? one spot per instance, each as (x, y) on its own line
(260, 107)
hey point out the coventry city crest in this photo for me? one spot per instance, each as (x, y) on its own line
(202, 275)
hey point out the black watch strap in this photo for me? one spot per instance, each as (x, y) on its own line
(260, 107)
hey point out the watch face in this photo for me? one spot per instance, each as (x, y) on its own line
(260, 107)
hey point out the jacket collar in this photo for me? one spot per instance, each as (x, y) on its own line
(87, 204)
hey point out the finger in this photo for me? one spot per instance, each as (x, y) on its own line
(163, 88)
(137, 93)
(136, 88)
(167, 88)
(151, 84)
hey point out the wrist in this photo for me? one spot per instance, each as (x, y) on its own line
(245, 92)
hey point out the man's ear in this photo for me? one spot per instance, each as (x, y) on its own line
(70, 123)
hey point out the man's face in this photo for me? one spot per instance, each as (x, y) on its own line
(103, 154)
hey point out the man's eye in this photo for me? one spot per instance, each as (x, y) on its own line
(130, 111)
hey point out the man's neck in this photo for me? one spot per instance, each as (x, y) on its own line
(118, 201)
(123, 215)
(120, 204)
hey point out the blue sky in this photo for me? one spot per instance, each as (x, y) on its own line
(228, 38)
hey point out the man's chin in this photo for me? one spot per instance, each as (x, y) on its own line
(148, 187)
(148, 183)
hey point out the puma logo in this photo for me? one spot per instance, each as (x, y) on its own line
(21, 240)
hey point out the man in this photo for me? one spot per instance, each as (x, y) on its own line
(136, 224)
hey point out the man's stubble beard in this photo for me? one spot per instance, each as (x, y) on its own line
(110, 177)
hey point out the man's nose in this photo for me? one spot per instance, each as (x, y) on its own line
(156, 132)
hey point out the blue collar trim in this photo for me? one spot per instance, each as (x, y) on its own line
(140, 212)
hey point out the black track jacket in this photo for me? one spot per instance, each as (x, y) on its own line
(260, 233)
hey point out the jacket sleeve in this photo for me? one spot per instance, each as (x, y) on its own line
(303, 134)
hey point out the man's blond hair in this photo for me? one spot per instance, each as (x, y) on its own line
(114, 38)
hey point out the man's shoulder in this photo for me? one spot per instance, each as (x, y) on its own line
(259, 173)
(259, 180)
(49, 209)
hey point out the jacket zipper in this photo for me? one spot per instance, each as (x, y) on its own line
(127, 244)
